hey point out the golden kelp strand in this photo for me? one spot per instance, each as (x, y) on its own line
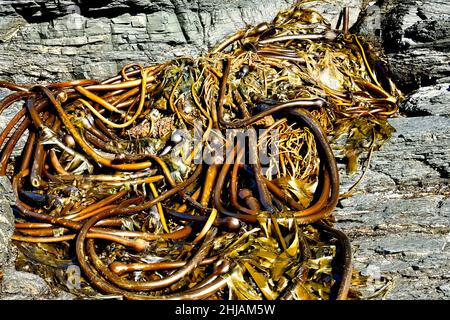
(115, 170)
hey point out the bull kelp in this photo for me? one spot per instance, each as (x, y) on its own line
(209, 177)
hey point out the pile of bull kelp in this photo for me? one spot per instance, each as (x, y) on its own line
(209, 177)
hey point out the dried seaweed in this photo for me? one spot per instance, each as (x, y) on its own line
(128, 179)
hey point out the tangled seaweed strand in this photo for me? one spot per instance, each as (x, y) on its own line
(107, 166)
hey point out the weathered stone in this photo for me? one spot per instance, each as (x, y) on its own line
(420, 288)
(164, 27)
(126, 29)
(6, 231)
(434, 100)
(139, 21)
(69, 23)
(331, 10)
(123, 19)
(70, 28)
(416, 37)
(24, 284)
(192, 27)
(422, 66)
(9, 27)
(428, 31)
(399, 222)
(410, 244)
(97, 27)
(445, 288)
(6, 191)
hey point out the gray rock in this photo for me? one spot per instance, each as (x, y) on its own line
(399, 221)
(410, 244)
(123, 19)
(36, 31)
(415, 36)
(420, 288)
(192, 28)
(100, 26)
(9, 27)
(428, 30)
(423, 66)
(434, 100)
(23, 283)
(6, 190)
(332, 9)
(7, 198)
(6, 231)
(139, 21)
(165, 27)
(445, 288)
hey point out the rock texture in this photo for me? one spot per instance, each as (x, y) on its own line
(399, 220)
(69, 39)
(416, 37)
(56, 40)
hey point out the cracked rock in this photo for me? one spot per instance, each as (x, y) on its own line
(433, 100)
(23, 283)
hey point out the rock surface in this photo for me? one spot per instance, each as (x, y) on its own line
(416, 37)
(53, 41)
(398, 221)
